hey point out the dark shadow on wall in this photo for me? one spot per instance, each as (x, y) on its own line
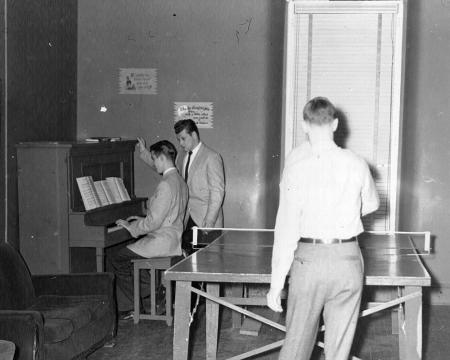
(410, 124)
(342, 133)
(274, 110)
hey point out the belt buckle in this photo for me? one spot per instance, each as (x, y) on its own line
(328, 241)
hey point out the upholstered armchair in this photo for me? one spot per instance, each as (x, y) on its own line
(54, 317)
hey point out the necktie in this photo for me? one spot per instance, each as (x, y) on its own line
(186, 168)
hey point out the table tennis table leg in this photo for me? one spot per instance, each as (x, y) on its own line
(212, 321)
(237, 290)
(410, 326)
(181, 320)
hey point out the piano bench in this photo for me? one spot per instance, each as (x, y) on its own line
(153, 265)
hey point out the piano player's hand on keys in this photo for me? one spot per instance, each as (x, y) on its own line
(123, 223)
(126, 223)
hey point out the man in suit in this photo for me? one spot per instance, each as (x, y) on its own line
(160, 231)
(203, 170)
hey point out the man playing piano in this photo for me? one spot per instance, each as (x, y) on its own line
(159, 232)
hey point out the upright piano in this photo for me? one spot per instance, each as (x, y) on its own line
(52, 217)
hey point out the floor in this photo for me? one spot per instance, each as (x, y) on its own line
(152, 340)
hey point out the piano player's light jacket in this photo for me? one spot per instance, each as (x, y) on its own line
(163, 224)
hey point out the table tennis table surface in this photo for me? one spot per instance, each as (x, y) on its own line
(245, 256)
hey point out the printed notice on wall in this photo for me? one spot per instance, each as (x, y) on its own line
(201, 112)
(138, 81)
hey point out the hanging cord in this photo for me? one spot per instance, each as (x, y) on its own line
(197, 301)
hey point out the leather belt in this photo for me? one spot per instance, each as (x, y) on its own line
(327, 241)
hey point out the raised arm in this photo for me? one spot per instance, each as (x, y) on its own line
(144, 154)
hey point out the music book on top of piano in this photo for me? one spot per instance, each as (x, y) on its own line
(98, 139)
(102, 192)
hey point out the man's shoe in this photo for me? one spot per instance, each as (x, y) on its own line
(126, 315)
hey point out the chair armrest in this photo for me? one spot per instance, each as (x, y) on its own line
(74, 284)
(26, 330)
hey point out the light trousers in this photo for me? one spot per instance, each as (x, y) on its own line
(326, 278)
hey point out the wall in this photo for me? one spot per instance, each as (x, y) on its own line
(41, 86)
(2, 117)
(228, 52)
(204, 50)
(425, 187)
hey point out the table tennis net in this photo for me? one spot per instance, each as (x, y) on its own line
(413, 243)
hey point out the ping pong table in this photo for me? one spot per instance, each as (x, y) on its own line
(244, 257)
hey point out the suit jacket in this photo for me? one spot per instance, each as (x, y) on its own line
(163, 224)
(206, 183)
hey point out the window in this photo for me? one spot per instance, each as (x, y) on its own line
(352, 53)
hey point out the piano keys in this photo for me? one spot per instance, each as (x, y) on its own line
(96, 228)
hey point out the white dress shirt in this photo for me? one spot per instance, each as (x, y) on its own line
(323, 194)
(169, 169)
(194, 152)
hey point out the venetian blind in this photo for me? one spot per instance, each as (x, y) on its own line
(347, 52)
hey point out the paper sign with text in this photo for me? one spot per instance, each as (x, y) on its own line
(201, 112)
(138, 81)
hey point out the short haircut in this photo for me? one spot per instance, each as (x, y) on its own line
(319, 111)
(188, 125)
(165, 148)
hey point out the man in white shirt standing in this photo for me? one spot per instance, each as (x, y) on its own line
(324, 191)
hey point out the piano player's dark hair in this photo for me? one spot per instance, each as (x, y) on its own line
(164, 147)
